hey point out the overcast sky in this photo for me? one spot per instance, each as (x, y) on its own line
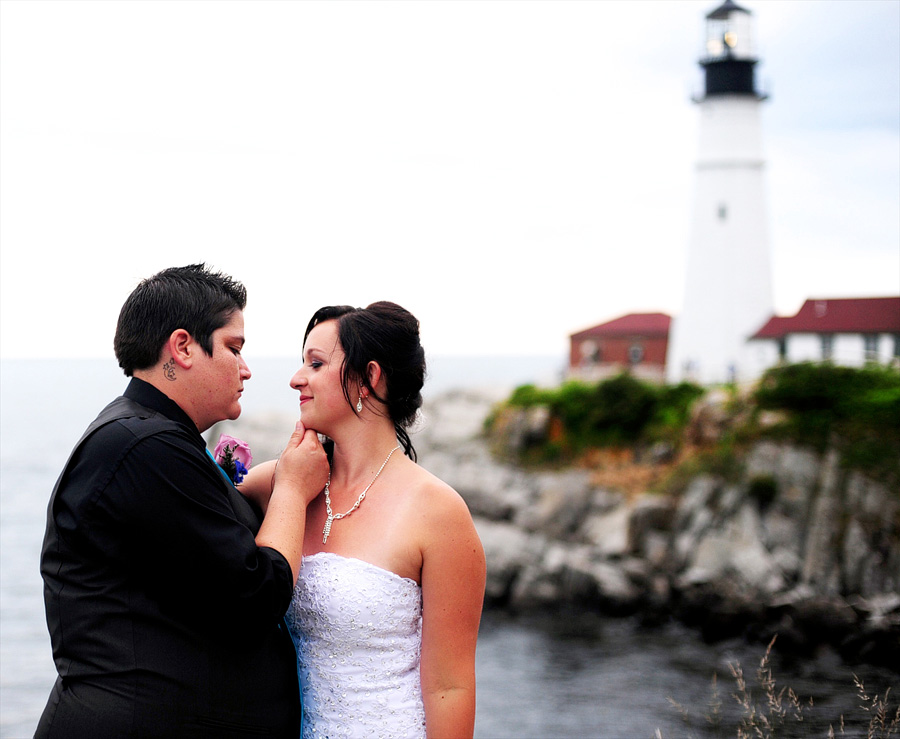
(510, 171)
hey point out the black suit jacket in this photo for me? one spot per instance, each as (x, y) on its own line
(165, 617)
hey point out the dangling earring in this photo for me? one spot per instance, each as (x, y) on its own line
(359, 404)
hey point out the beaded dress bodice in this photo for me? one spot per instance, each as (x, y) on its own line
(358, 633)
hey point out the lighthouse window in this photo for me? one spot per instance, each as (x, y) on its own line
(827, 346)
(723, 211)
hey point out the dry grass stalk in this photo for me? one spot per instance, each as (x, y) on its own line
(714, 717)
(880, 726)
(768, 720)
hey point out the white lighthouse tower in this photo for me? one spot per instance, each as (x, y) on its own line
(728, 291)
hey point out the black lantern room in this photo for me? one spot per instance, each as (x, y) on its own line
(730, 54)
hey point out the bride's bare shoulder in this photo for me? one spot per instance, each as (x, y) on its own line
(437, 503)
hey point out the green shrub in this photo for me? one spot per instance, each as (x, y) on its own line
(823, 395)
(621, 409)
(618, 411)
(673, 410)
(571, 404)
(855, 409)
(526, 396)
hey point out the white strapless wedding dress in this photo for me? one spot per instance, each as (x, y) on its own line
(358, 633)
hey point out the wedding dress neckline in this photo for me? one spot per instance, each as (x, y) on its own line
(367, 565)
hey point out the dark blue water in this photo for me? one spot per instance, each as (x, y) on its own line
(541, 676)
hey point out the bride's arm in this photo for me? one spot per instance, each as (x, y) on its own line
(453, 576)
(257, 484)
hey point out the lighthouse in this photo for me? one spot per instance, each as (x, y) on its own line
(727, 289)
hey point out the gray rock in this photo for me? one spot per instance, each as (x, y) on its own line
(608, 532)
(697, 497)
(508, 552)
(763, 458)
(819, 558)
(561, 501)
(797, 476)
(449, 419)
(490, 490)
(734, 552)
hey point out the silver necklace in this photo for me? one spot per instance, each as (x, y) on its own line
(332, 517)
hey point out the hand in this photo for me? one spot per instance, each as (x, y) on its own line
(300, 475)
(303, 465)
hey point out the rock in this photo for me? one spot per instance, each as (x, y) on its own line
(696, 498)
(856, 556)
(452, 418)
(615, 590)
(560, 503)
(662, 452)
(608, 532)
(604, 501)
(819, 561)
(655, 549)
(651, 512)
(515, 430)
(796, 474)
(649, 522)
(490, 490)
(508, 551)
(879, 609)
(735, 553)
(720, 612)
(762, 459)
(551, 580)
(570, 574)
(709, 418)
(693, 517)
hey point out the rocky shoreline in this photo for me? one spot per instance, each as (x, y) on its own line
(797, 547)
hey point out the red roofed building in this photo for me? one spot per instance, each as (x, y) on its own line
(847, 331)
(635, 343)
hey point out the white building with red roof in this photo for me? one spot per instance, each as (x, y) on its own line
(846, 331)
(635, 343)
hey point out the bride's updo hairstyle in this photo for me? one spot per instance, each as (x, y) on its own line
(389, 335)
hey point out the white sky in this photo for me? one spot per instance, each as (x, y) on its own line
(510, 171)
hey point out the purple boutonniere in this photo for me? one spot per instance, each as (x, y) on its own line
(233, 456)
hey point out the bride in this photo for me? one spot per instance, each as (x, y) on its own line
(386, 609)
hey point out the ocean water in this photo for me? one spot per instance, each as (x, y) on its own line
(541, 676)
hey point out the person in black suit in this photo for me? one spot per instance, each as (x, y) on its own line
(165, 589)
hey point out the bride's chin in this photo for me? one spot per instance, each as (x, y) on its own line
(311, 426)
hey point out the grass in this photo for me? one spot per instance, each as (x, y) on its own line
(768, 712)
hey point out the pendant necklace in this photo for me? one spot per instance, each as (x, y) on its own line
(332, 517)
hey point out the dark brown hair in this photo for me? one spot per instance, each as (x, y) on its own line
(193, 298)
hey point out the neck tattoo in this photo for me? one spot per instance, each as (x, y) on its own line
(332, 517)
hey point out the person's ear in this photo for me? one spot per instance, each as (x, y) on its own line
(374, 374)
(182, 348)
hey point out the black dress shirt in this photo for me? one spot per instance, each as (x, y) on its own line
(165, 617)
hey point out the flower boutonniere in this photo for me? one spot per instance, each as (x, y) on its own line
(233, 456)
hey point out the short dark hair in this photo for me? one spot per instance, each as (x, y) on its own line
(193, 298)
(388, 334)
